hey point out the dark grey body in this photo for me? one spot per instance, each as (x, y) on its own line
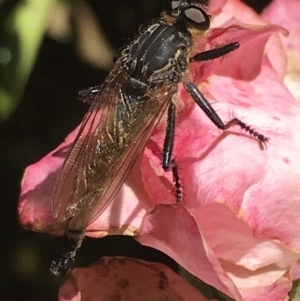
(137, 93)
(158, 55)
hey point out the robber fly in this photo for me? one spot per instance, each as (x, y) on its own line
(123, 114)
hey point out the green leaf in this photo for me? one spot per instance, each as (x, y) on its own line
(295, 292)
(21, 34)
(208, 291)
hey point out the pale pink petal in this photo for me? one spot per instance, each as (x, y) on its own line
(295, 271)
(250, 39)
(215, 7)
(174, 231)
(37, 189)
(286, 13)
(120, 278)
(122, 216)
(275, 113)
(244, 63)
(256, 287)
(246, 210)
(236, 9)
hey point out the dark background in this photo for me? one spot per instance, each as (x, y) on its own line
(49, 110)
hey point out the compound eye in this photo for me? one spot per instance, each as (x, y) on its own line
(198, 17)
(175, 4)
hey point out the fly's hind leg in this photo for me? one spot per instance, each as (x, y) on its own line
(168, 163)
(203, 103)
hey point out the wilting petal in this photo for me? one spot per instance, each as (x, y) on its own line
(120, 278)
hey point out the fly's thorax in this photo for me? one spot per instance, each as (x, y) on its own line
(158, 55)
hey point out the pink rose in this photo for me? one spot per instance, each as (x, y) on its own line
(238, 227)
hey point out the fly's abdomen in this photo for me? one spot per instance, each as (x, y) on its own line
(158, 55)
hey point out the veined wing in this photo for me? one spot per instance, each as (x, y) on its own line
(65, 183)
(110, 139)
(115, 171)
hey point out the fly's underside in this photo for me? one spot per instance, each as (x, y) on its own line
(123, 114)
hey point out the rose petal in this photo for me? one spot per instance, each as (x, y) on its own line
(246, 181)
(37, 189)
(253, 229)
(123, 215)
(287, 14)
(236, 9)
(215, 7)
(174, 231)
(121, 278)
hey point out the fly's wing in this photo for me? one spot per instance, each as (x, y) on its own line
(110, 139)
(78, 156)
(98, 198)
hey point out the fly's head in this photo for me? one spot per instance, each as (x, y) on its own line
(188, 14)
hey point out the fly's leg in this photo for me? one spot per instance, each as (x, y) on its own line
(203, 103)
(63, 263)
(168, 163)
(215, 53)
(88, 95)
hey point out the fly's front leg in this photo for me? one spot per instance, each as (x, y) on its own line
(203, 103)
(168, 163)
(215, 53)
